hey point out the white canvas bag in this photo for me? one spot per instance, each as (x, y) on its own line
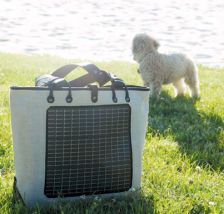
(73, 141)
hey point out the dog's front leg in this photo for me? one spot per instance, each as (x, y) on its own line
(155, 89)
(146, 84)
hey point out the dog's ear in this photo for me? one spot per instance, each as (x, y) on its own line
(156, 44)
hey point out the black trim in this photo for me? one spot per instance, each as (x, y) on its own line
(50, 98)
(127, 97)
(114, 97)
(90, 193)
(69, 97)
(129, 87)
(94, 93)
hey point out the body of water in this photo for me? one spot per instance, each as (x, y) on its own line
(103, 30)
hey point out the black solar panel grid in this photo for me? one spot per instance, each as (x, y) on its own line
(88, 150)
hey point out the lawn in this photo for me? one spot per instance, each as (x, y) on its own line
(183, 163)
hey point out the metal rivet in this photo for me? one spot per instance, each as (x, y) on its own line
(50, 99)
(69, 99)
(115, 99)
(127, 99)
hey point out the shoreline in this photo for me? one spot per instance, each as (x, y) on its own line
(72, 60)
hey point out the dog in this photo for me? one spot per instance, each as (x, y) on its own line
(157, 69)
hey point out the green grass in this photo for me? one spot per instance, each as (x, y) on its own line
(183, 164)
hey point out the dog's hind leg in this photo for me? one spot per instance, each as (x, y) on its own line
(179, 87)
(192, 80)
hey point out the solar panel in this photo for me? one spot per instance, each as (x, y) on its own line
(88, 150)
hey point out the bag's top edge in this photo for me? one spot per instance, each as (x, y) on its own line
(130, 87)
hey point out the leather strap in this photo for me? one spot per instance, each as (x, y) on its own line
(94, 75)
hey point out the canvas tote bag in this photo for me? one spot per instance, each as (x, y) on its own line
(75, 139)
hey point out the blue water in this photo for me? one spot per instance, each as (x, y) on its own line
(103, 30)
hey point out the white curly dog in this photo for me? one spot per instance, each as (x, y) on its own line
(157, 69)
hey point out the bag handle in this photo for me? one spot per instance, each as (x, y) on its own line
(56, 80)
(94, 74)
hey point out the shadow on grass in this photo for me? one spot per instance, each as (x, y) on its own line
(134, 203)
(197, 133)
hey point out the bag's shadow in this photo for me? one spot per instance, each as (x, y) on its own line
(197, 133)
(133, 203)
